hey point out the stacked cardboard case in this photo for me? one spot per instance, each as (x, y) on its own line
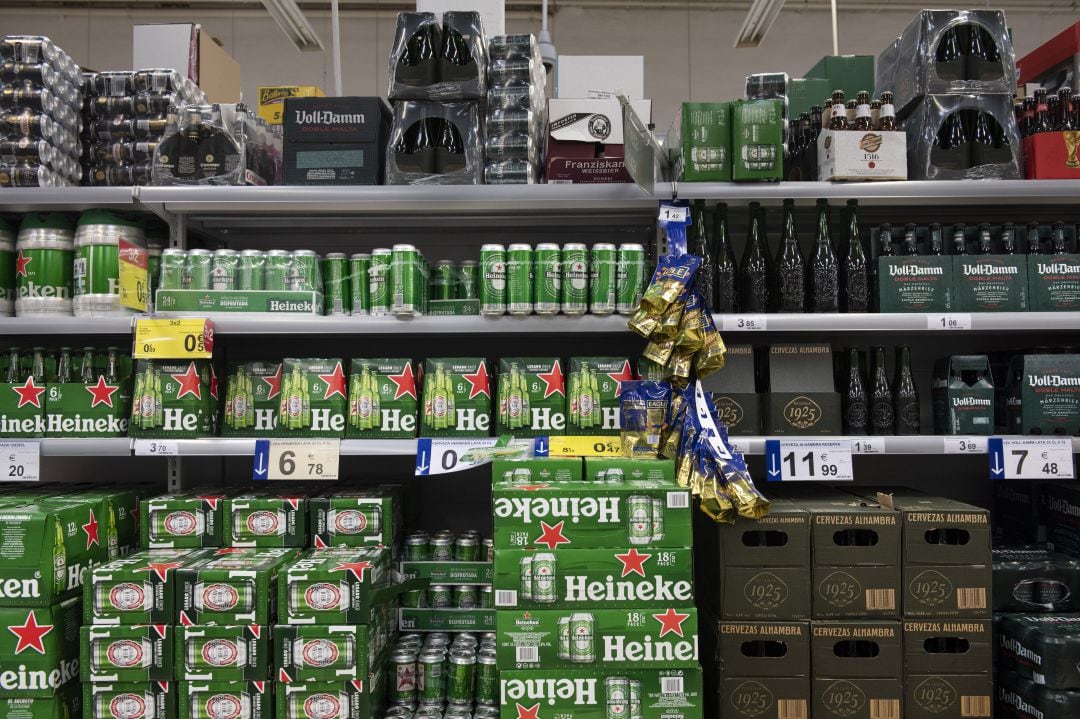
(593, 589)
(516, 122)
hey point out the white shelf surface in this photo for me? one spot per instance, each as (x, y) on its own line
(916, 444)
(61, 325)
(904, 322)
(85, 447)
(971, 192)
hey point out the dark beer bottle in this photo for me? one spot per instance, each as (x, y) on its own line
(838, 118)
(949, 61)
(855, 269)
(1042, 114)
(863, 118)
(959, 239)
(790, 266)
(885, 241)
(1053, 109)
(911, 240)
(984, 135)
(698, 244)
(815, 122)
(824, 271)
(1008, 239)
(887, 116)
(937, 244)
(905, 395)
(855, 402)
(1060, 244)
(1027, 117)
(958, 132)
(1067, 123)
(881, 400)
(726, 277)
(984, 247)
(754, 275)
(1034, 242)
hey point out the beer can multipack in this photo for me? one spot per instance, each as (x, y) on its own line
(231, 586)
(143, 700)
(358, 517)
(329, 652)
(256, 519)
(39, 656)
(546, 470)
(238, 652)
(184, 520)
(592, 394)
(128, 653)
(252, 398)
(209, 699)
(137, 589)
(174, 399)
(66, 704)
(313, 398)
(532, 397)
(117, 518)
(338, 586)
(347, 699)
(457, 397)
(599, 693)
(383, 399)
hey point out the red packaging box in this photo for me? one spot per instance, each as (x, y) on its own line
(1052, 156)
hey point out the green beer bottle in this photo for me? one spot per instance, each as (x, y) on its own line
(249, 401)
(504, 394)
(112, 366)
(63, 367)
(37, 367)
(585, 408)
(159, 403)
(14, 375)
(283, 402)
(136, 404)
(294, 402)
(354, 400)
(368, 400)
(451, 404)
(594, 395)
(526, 412)
(376, 405)
(86, 371)
(305, 393)
(440, 399)
(230, 400)
(572, 393)
(513, 398)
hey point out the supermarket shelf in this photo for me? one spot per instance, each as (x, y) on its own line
(60, 325)
(88, 447)
(902, 322)
(919, 444)
(230, 447)
(260, 324)
(65, 199)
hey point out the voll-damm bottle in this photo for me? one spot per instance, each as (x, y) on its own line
(959, 239)
(937, 245)
(905, 395)
(1060, 243)
(726, 275)
(790, 266)
(855, 270)
(1034, 242)
(985, 246)
(824, 271)
(855, 401)
(1008, 239)
(882, 413)
(885, 241)
(754, 274)
(911, 240)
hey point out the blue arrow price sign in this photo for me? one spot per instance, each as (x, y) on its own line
(442, 456)
(1031, 458)
(296, 459)
(808, 460)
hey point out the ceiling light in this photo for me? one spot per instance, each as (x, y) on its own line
(761, 17)
(290, 18)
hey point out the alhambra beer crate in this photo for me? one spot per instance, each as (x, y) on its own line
(457, 398)
(217, 700)
(174, 399)
(39, 649)
(129, 700)
(223, 653)
(652, 637)
(231, 586)
(358, 517)
(189, 520)
(252, 399)
(138, 653)
(325, 652)
(67, 704)
(336, 586)
(137, 589)
(383, 399)
(671, 693)
(532, 397)
(550, 578)
(266, 520)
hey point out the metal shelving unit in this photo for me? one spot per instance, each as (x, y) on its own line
(61, 325)
(903, 322)
(88, 447)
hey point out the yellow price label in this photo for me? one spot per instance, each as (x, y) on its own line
(584, 447)
(134, 287)
(173, 339)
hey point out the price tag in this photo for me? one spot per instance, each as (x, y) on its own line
(156, 448)
(133, 284)
(584, 447)
(442, 456)
(948, 322)
(173, 339)
(20, 461)
(868, 445)
(808, 460)
(965, 445)
(296, 459)
(673, 213)
(1031, 458)
(745, 323)
(737, 445)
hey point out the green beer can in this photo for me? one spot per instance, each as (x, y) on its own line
(251, 271)
(223, 270)
(154, 249)
(548, 283)
(43, 267)
(96, 272)
(324, 652)
(197, 270)
(466, 283)
(519, 279)
(304, 275)
(405, 281)
(359, 270)
(442, 280)
(492, 280)
(602, 267)
(337, 292)
(431, 676)
(379, 281)
(276, 274)
(7, 269)
(575, 279)
(630, 279)
(617, 697)
(462, 676)
(401, 675)
(487, 679)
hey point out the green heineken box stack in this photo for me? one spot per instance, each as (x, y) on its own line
(231, 587)
(592, 395)
(457, 398)
(182, 521)
(382, 399)
(313, 398)
(22, 392)
(137, 589)
(174, 398)
(252, 396)
(266, 520)
(90, 396)
(357, 518)
(532, 397)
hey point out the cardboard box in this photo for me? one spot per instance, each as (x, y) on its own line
(358, 517)
(595, 413)
(699, 142)
(585, 140)
(1055, 63)
(230, 588)
(597, 694)
(990, 283)
(948, 696)
(323, 652)
(1052, 156)
(857, 668)
(385, 407)
(599, 469)
(335, 140)
(805, 92)
(118, 592)
(252, 394)
(738, 404)
(1044, 394)
(850, 73)
(872, 155)
(915, 284)
(266, 520)
(354, 698)
(137, 653)
(224, 645)
(1054, 283)
(948, 647)
(802, 398)
(354, 592)
(191, 51)
(186, 302)
(600, 77)
(109, 701)
(446, 620)
(272, 100)
(538, 470)
(256, 697)
(939, 530)
(757, 140)
(1060, 510)
(532, 397)
(1017, 511)
(457, 398)
(752, 697)
(763, 649)
(963, 395)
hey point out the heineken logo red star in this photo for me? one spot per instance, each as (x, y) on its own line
(623, 375)
(671, 622)
(478, 381)
(31, 634)
(553, 380)
(230, 550)
(357, 569)
(161, 629)
(633, 562)
(320, 544)
(161, 569)
(532, 487)
(185, 620)
(405, 382)
(20, 264)
(532, 712)
(91, 529)
(293, 502)
(101, 392)
(29, 393)
(358, 684)
(211, 500)
(274, 381)
(283, 676)
(552, 536)
(255, 629)
(189, 382)
(213, 382)
(335, 382)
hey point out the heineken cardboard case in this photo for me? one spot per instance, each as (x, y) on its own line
(457, 398)
(231, 586)
(358, 518)
(22, 402)
(67, 704)
(592, 394)
(648, 637)
(176, 302)
(260, 520)
(137, 589)
(673, 693)
(614, 470)
(138, 653)
(174, 399)
(449, 573)
(802, 397)
(101, 408)
(990, 283)
(246, 700)
(313, 398)
(416, 619)
(223, 653)
(757, 140)
(121, 505)
(1054, 283)
(963, 395)
(138, 700)
(532, 397)
(252, 396)
(734, 392)
(1044, 394)
(948, 696)
(698, 143)
(592, 578)
(334, 587)
(634, 513)
(915, 283)
(857, 669)
(352, 699)
(948, 647)
(382, 399)
(323, 652)
(182, 521)
(39, 652)
(537, 471)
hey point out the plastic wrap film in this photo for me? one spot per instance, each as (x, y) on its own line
(948, 52)
(771, 86)
(963, 137)
(435, 143)
(40, 114)
(437, 58)
(516, 119)
(217, 145)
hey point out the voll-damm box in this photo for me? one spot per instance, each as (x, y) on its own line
(249, 700)
(252, 396)
(358, 517)
(1054, 283)
(328, 652)
(174, 398)
(990, 283)
(136, 700)
(334, 586)
(382, 399)
(263, 520)
(1043, 394)
(137, 589)
(39, 649)
(353, 699)
(223, 653)
(1059, 506)
(457, 398)
(632, 513)
(313, 398)
(536, 471)
(673, 693)
(182, 521)
(66, 704)
(136, 653)
(915, 284)
(532, 397)
(592, 394)
(582, 578)
(653, 637)
(231, 586)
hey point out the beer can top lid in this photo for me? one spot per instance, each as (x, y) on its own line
(225, 252)
(173, 251)
(547, 246)
(107, 217)
(632, 246)
(45, 221)
(574, 246)
(468, 263)
(251, 253)
(380, 251)
(603, 246)
(518, 246)
(360, 256)
(439, 263)
(335, 256)
(277, 253)
(303, 253)
(403, 248)
(492, 248)
(198, 251)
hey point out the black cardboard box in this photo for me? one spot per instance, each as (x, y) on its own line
(734, 392)
(335, 140)
(948, 696)
(857, 667)
(802, 398)
(762, 669)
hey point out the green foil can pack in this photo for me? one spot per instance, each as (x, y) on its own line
(554, 576)
(314, 395)
(252, 396)
(67, 704)
(137, 589)
(457, 398)
(630, 513)
(383, 399)
(326, 652)
(358, 517)
(40, 652)
(228, 700)
(532, 397)
(231, 586)
(334, 587)
(261, 520)
(592, 394)
(174, 399)
(137, 653)
(652, 637)
(223, 653)
(129, 700)
(601, 694)
(182, 521)
(358, 698)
